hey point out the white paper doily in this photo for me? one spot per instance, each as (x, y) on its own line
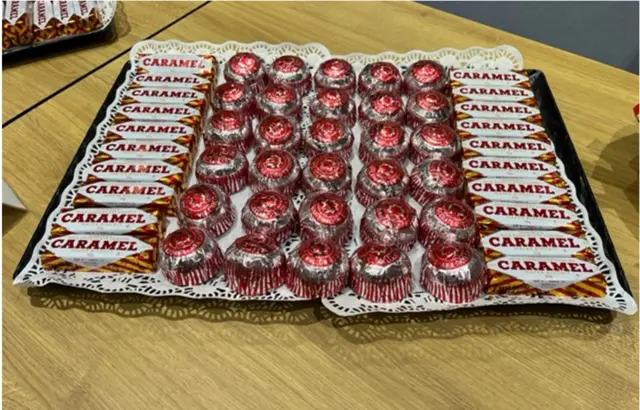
(346, 303)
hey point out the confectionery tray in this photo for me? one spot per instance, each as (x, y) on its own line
(106, 10)
(29, 271)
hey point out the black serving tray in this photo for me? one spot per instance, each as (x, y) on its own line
(553, 123)
(103, 34)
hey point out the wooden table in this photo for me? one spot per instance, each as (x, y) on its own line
(134, 21)
(73, 350)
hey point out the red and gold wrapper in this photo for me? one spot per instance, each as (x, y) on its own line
(494, 216)
(172, 80)
(509, 147)
(144, 195)
(427, 75)
(390, 221)
(270, 213)
(337, 74)
(497, 167)
(483, 93)
(381, 178)
(449, 220)
(497, 244)
(379, 76)
(44, 21)
(453, 272)
(67, 17)
(325, 215)
(535, 191)
(278, 132)
(487, 127)
(636, 111)
(434, 141)
(138, 170)
(206, 207)
(148, 95)
(111, 221)
(170, 152)
(180, 113)
(150, 131)
(101, 253)
(89, 15)
(545, 276)
(436, 178)
(255, 265)
(275, 169)
(247, 68)
(380, 273)
(16, 24)
(317, 269)
(490, 78)
(223, 165)
(328, 135)
(189, 257)
(205, 65)
(290, 71)
(497, 110)
(382, 140)
(229, 127)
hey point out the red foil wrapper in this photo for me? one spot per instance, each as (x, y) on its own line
(436, 178)
(290, 71)
(327, 173)
(246, 68)
(449, 220)
(278, 100)
(275, 169)
(223, 165)
(270, 213)
(335, 73)
(380, 273)
(381, 178)
(325, 215)
(381, 106)
(328, 135)
(333, 103)
(453, 272)
(429, 107)
(434, 141)
(189, 257)
(383, 140)
(278, 132)
(233, 96)
(390, 221)
(317, 269)
(379, 76)
(255, 265)
(427, 75)
(206, 207)
(229, 127)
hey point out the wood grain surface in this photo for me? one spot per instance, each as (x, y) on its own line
(24, 83)
(67, 349)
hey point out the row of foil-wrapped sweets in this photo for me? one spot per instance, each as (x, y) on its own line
(33, 21)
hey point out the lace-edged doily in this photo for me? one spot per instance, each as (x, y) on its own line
(346, 303)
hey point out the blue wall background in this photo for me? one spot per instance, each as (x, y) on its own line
(603, 31)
